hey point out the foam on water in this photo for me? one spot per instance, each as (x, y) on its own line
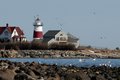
(70, 62)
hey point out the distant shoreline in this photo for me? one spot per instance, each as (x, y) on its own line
(58, 54)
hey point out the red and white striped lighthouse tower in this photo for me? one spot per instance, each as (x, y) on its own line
(38, 31)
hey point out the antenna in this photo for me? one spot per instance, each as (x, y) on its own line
(34, 17)
(37, 16)
(61, 26)
(59, 23)
(61, 29)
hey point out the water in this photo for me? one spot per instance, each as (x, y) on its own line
(67, 62)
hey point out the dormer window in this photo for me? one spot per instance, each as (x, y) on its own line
(61, 34)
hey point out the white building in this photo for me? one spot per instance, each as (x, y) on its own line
(60, 37)
(11, 33)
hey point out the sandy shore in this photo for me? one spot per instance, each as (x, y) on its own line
(35, 71)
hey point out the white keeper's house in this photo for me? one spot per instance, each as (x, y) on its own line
(60, 37)
(11, 34)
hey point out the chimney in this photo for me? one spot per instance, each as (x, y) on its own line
(7, 24)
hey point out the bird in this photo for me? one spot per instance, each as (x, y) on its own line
(81, 60)
(94, 59)
(70, 64)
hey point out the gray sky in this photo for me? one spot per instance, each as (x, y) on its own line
(95, 22)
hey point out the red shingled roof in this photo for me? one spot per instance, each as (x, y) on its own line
(20, 32)
(2, 29)
(10, 29)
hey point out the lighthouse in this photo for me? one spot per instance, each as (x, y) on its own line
(38, 31)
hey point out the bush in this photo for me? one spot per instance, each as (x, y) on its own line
(2, 46)
(38, 46)
(24, 46)
(117, 48)
(56, 46)
(8, 46)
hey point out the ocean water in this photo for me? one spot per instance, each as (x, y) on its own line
(70, 62)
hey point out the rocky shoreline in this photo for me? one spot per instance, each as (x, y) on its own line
(57, 54)
(35, 71)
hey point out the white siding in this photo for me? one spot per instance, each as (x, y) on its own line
(15, 33)
(51, 41)
(62, 37)
(39, 28)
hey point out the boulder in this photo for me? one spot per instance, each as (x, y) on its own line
(7, 74)
(20, 76)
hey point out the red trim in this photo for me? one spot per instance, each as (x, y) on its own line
(38, 34)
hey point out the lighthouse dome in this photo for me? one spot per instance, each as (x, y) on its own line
(37, 22)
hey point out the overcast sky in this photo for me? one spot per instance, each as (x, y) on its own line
(95, 22)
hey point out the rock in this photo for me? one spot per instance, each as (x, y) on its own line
(36, 71)
(21, 76)
(11, 66)
(92, 76)
(3, 65)
(7, 75)
(32, 74)
(100, 77)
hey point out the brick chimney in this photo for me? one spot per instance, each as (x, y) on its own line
(7, 24)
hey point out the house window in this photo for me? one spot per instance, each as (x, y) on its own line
(62, 39)
(61, 34)
(6, 39)
(57, 39)
(6, 33)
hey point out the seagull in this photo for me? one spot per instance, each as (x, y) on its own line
(56, 64)
(110, 65)
(81, 60)
(94, 59)
(70, 64)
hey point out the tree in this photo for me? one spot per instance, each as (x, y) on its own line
(117, 48)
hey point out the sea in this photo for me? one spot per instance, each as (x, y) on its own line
(70, 62)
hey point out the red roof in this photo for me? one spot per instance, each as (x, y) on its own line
(20, 32)
(10, 29)
(2, 29)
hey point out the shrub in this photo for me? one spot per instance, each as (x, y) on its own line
(56, 46)
(8, 46)
(53, 46)
(24, 46)
(2, 46)
(38, 46)
(117, 48)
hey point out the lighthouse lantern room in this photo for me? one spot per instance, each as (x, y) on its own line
(38, 31)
